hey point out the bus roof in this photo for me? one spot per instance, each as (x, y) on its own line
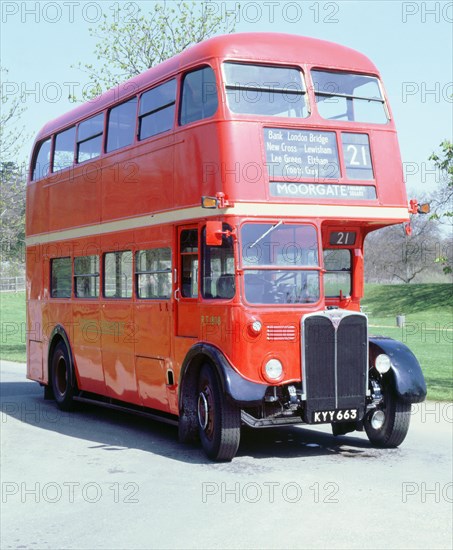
(260, 47)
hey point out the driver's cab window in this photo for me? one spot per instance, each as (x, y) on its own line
(337, 277)
(218, 268)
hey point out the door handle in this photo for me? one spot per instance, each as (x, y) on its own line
(177, 294)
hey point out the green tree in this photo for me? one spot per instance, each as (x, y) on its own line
(12, 216)
(131, 41)
(12, 180)
(443, 204)
(11, 109)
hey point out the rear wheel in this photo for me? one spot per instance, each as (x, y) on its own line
(62, 380)
(395, 425)
(219, 421)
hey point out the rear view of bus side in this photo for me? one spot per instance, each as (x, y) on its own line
(195, 245)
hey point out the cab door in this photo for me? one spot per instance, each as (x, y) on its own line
(186, 294)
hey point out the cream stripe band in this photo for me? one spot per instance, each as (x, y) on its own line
(343, 213)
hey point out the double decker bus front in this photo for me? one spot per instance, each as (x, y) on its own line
(312, 166)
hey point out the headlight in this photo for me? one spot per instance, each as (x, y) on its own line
(273, 369)
(382, 363)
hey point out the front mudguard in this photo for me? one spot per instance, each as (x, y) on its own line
(240, 391)
(406, 374)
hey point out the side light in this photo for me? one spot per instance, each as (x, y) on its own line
(382, 363)
(255, 327)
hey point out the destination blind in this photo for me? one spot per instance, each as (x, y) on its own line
(295, 154)
(292, 155)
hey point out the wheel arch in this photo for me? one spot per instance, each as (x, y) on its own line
(238, 390)
(241, 391)
(405, 372)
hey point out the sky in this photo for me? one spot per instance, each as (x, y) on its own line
(410, 43)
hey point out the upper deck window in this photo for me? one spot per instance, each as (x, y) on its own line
(264, 90)
(64, 150)
(121, 125)
(157, 110)
(199, 96)
(89, 138)
(351, 97)
(42, 160)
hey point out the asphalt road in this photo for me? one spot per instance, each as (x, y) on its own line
(101, 479)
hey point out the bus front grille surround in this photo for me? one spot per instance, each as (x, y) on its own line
(334, 362)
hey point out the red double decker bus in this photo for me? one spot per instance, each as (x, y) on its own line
(195, 244)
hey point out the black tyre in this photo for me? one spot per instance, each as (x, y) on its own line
(396, 422)
(62, 378)
(219, 421)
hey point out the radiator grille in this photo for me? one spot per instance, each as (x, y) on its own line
(335, 362)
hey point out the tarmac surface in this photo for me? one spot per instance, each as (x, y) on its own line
(95, 478)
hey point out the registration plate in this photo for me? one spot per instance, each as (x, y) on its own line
(345, 415)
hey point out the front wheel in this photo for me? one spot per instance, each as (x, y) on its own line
(219, 421)
(395, 425)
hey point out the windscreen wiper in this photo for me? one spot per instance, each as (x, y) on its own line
(266, 233)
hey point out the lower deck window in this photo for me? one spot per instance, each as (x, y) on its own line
(153, 273)
(118, 274)
(61, 274)
(86, 276)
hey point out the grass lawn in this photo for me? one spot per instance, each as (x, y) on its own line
(12, 326)
(428, 331)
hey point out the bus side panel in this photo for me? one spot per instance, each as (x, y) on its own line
(34, 334)
(243, 168)
(197, 163)
(83, 185)
(86, 346)
(37, 208)
(117, 328)
(139, 180)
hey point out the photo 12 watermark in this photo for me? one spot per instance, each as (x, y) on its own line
(433, 411)
(55, 12)
(274, 11)
(53, 492)
(427, 12)
(424, 492)
(270, 492)
(427, 92)
(34, 413)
